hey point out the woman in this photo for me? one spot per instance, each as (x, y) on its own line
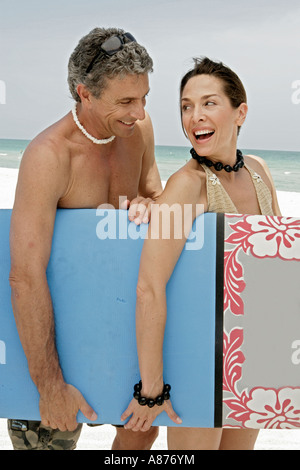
(213, 108)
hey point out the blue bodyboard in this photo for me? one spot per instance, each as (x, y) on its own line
(232, 338)
(93, 287)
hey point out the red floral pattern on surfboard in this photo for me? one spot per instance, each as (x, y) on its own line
(259, 407)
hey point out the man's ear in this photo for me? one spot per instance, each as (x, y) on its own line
(83, 93)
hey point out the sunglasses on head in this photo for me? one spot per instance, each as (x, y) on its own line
(111, 46)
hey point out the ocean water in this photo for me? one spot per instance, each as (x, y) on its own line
(284, 166)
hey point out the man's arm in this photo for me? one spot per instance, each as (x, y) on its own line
(40, 185)
(150, 182)
(150, 187)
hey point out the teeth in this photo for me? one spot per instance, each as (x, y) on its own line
(203, 132)
(127, 123)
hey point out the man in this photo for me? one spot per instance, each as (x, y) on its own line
(101, 150)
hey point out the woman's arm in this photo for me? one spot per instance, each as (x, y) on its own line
(264, 171)
(275, 205)
(171, 221)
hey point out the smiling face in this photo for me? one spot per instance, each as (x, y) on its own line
(119, 106)
(208, 117)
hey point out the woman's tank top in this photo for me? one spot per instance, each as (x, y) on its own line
(219, 200)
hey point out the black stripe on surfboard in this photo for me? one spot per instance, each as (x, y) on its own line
(218, 421)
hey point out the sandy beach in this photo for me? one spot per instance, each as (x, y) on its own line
(289, 202)
(101, 437)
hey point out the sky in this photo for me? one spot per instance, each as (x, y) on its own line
(259, 40)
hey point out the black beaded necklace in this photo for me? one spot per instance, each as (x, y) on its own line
(219, 166)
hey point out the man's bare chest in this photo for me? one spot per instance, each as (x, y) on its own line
(93, 183)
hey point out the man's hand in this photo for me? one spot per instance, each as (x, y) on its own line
(139, 210)
(59, 407)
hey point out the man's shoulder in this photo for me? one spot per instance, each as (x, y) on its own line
(51, 142)
(45, 162)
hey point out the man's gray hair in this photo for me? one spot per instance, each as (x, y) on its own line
(131, 59)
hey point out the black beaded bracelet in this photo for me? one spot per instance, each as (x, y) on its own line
(150, 402)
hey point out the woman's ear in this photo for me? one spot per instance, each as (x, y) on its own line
(242, 114)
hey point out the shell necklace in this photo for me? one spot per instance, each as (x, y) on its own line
(85, 132)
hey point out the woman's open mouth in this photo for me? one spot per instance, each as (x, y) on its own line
(203, 135)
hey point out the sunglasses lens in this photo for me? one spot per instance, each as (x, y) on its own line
(129, 37)
(112, 45)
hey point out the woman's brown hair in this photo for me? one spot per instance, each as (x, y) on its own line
(232, 85)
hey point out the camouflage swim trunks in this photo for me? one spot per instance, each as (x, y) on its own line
(33, 435)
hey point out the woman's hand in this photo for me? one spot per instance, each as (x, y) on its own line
(142, 417)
